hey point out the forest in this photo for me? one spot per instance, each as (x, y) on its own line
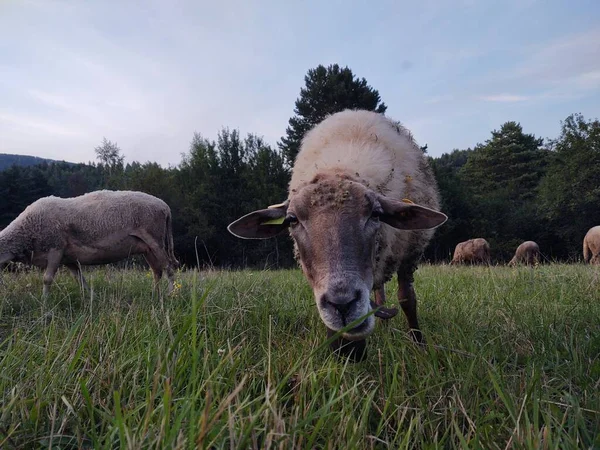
(515, 186)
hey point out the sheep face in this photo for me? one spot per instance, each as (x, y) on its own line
(334, 222)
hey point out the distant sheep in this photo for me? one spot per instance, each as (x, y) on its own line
(101, 227)
(351, 228)
(591, 246)
(473, 251)
(527, 253)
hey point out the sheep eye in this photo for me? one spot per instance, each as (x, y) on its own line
(291, 219)
(376, 214)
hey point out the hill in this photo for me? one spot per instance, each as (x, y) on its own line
(8, 160)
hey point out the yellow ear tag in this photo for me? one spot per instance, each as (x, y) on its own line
(277, 221)
(405, 200)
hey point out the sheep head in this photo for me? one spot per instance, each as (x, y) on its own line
(334, 222)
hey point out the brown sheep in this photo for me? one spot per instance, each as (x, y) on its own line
(361, 206)
(591, 246)
(527, 253)
(473, 251)
(101, 227)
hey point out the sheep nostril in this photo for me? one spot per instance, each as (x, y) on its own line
(342, 308)
(341, 305)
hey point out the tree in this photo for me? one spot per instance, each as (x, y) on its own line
(327, 90)
(19, 187)
(570, 191)
(502, 178)
(511, 161)
(109, 156)
(455, 203)
(221, 181)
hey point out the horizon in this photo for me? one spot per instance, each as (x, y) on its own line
(148, 77)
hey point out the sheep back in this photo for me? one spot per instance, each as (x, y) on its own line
(48, 222)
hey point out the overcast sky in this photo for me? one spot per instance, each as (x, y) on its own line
(148, 74)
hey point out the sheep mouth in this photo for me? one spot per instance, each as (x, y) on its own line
(360, 331)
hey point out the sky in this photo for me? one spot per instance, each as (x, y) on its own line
(149, 74)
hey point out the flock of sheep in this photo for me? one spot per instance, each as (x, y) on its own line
(477, 251)
(362, 206)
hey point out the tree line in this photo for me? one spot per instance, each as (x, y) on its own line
(513, 187)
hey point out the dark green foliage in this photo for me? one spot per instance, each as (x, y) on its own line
(511, 161)
(454, 203)
(507, 190)
(500, 180)
(327, 90)
(570, 192)
(220, 182)
(21, 186)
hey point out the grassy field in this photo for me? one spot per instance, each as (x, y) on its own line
(240, 360)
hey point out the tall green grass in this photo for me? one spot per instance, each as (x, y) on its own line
(237, 360)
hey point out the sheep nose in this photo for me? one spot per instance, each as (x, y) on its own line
(341, 303)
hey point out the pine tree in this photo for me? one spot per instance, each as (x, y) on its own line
(502, 178)
(570, 192)
(511, 161)
(327, 90)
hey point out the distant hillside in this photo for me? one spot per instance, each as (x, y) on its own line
(7, 160)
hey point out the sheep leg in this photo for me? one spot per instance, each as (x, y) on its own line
(78, 274)
(53, 262)
(157, 259)
(158, 265)
(382, 312)
(156, 268)
(408, 301)
(170, 277)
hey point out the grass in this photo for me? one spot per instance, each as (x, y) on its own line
(239, 360)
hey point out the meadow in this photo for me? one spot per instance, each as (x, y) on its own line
(240, 360)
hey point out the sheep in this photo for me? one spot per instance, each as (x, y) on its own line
(100, 227)
(591, 246)
(472, 251)
(528, 253)
(362, 205)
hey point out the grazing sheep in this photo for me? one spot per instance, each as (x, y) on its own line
(527, 253)
(351, 228)
(101, 227)
(591, 246)
(473, 251)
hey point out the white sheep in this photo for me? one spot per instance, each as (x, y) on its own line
(361, 206)
(527, 253)
(97, 228)
(473, 251)
(591, 245)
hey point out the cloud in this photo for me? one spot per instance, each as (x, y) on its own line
(439, 99)
(35, 124)
(504, 98)
(588, 80)
(572, 61)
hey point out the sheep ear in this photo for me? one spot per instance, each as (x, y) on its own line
(261, 224)
(408, 216)
(6, 257)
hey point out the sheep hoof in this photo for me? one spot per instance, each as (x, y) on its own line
(355, 351)
(417, 337)
(384, 313)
